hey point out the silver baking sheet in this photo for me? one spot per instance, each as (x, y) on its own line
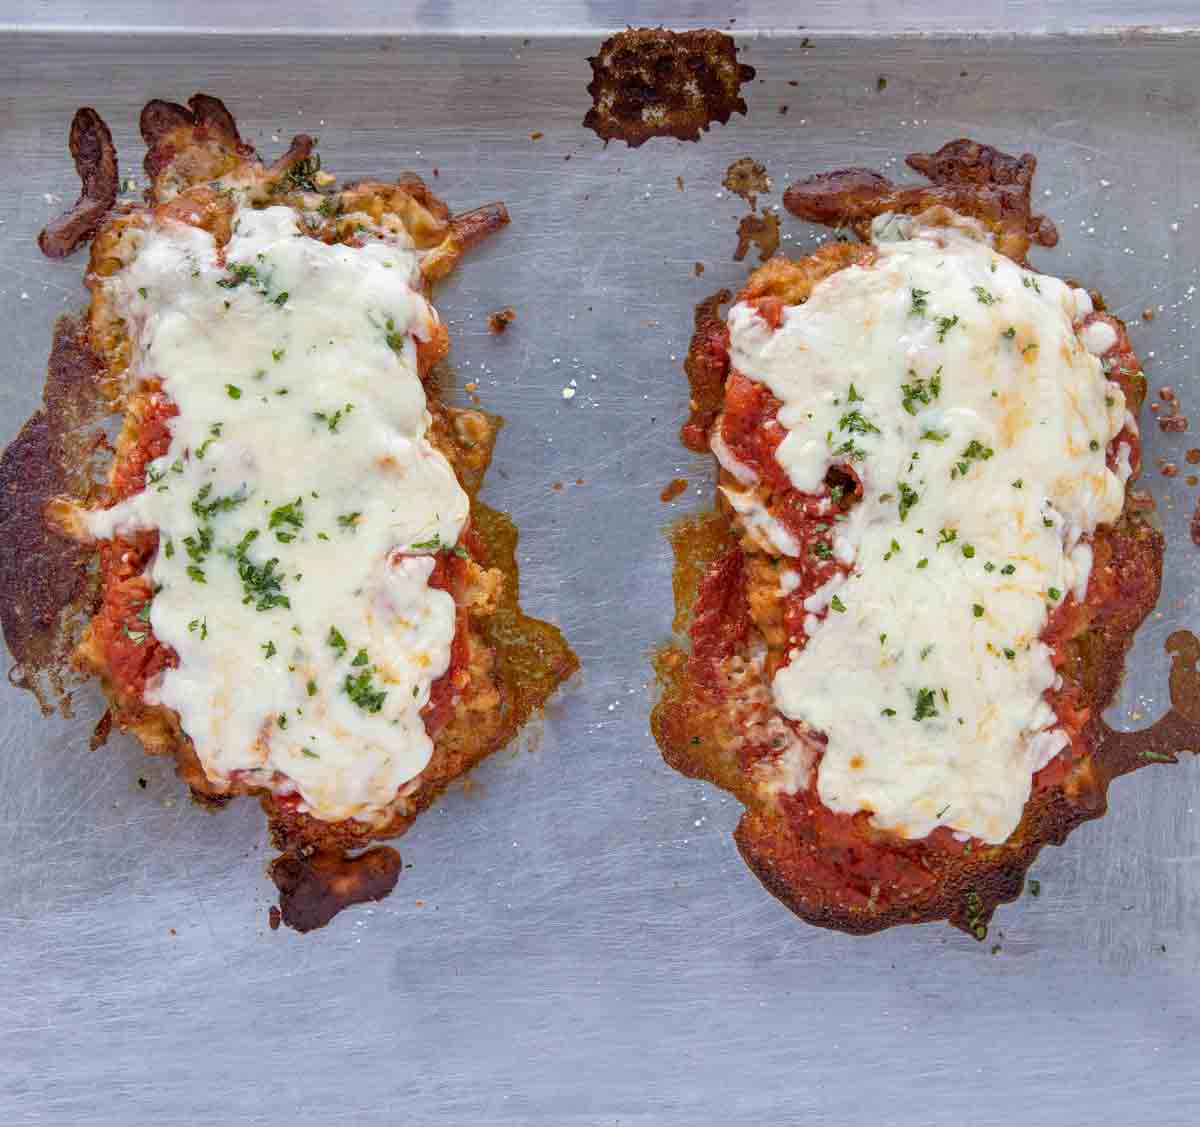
(574, 939)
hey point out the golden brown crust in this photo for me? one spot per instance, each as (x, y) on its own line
(968, 178)
(838, 872)
(95, 157)
(492, 693)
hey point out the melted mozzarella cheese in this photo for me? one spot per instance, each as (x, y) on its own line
(301, 438)
(978, 423)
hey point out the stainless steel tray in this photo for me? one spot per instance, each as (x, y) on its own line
(576, 941)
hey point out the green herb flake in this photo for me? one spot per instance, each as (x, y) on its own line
(335, 640)
(1156, 756)
(852, 396)
(924, 705)
(269, 650)
(278, 354)
(968, 550)
(947, 536)
(360, 658)
(1035, 887)
(196, 574)
(908, 497)
(920, 303)
(977, 610)
(1008, 569)
(1031, 283)
(137, 636)
(233, 391)
(944, 325)
(982, 296)
(857, 423)
(892, 550)
(349, 520)
(1009, 333)
(887, 712)
(1054, 593)
(362, 692)
(837, 605)
(922, 563)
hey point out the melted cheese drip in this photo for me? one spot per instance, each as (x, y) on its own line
(306, 411)
(925, 671)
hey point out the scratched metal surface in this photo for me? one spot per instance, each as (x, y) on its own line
(576, 941)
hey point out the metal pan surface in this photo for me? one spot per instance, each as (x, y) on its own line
(574, 939)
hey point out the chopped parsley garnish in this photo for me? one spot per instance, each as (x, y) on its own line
(852, 396)
(290, 515)
(920, 304)
(277, 354)
(975, 451)
(1029, 348)
(1093, 445)
(195, 574)
(821, 550)
(281, 299)
(143, 614)
(1054, 593)
(359, 689)
(269, 650)
(968, 550)
(1019, 483)
(857, 423)
(1010, 654)
(360, 658)
(983, 296)
(944, 325)
(301, 175)
(169, 548)
(1035, 887)
(332, 421)
(908, 497)
(282, 719)
(924, 705)
(837, 605)
(435, 544)
(932, 435)
(887, 712)
(238, 273)
(214, 432)
(142, 291)
(233, 391)
(1048, 522)
(1010, 332)
(849, 450)
(1156, 756)
(926, 651)
(892, 550)
(1031, 283)
(947, 536)
(312, 688)
(349, 520)
(922, 563)
(920, 391)
(261, 583)
(335, 640)
(309, 754)
(138, 636)
(1008, 569)
(989, 566)
(977, 610)
(200, 624)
